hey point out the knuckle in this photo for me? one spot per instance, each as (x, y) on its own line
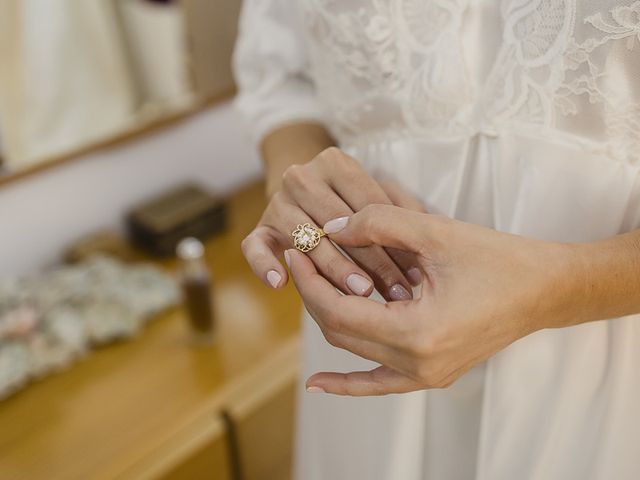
(295, 175)
(367, 215)
(380, 266)
(330, 156)
(422, 347)
(332, 338)
(385, 270)
(248, 245)
(244, 245)
(256, 259)
(332, 322)
(430, 346)
(333, 159)
(414, 347)
(278, 209)
(371, 214)
(429, 368)
(442, 229)
(446, 383)
(277, 200)
(422, 374)
(330, 270)
(427, 375)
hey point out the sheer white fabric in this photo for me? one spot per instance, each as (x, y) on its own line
(521, 115)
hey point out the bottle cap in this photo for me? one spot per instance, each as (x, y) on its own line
(190, 248)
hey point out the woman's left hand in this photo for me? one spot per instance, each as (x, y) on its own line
(484, 290)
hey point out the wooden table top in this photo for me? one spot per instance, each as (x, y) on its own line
(101, 416)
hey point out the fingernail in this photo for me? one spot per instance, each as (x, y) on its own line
(358, 284)
(415, 275)
(335, 225)
(274, 278)
(315, 390)
(287, 258)
(398, 292)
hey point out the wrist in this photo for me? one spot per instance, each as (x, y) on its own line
(596, 281)
(610, 277)
(275, 168)
(563, 286)
(289, 145)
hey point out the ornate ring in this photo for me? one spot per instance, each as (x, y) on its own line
(306, 237)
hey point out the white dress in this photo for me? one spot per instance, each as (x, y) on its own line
(521, 115)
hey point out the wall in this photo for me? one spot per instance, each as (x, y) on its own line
(42, 214)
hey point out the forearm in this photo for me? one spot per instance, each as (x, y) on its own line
(291, 144)
(609, 277)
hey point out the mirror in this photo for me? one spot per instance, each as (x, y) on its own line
(77, 74)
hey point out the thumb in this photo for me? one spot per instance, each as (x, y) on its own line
(384, 225)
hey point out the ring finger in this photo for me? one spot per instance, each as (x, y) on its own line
(345, 275)
(388, 278)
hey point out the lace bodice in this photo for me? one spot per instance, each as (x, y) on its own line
(563, 70)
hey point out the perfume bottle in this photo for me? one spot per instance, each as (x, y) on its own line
(196, 282)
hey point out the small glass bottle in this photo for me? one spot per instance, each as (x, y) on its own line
(196, 286)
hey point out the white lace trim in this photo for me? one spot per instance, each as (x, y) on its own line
(396, 68)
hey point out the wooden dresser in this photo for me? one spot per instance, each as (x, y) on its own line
(157, 407)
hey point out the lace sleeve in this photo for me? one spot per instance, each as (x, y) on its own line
(270, 67)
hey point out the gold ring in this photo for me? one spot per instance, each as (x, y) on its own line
(306, 237)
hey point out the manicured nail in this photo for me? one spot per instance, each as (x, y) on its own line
(287, 258)
(335, 225)
(358, 284)
(415, 275)
(274, 278)
(315, 390)
(398, 292)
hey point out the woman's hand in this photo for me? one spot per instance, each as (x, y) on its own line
(483, 290)
(332, 185)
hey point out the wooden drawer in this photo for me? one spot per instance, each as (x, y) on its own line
(261, 424)
(210, 461)
(199, 452)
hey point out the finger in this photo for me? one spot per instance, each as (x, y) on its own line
(345, 275)
(367, 349)
(261, 250)
(359, 189)
(389, 226)
(379, 381)
(314, 196)
(349, 179)
(387, 275)
(400, 198)
(359, 317)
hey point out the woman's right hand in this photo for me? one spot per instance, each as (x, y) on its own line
(332, 185)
